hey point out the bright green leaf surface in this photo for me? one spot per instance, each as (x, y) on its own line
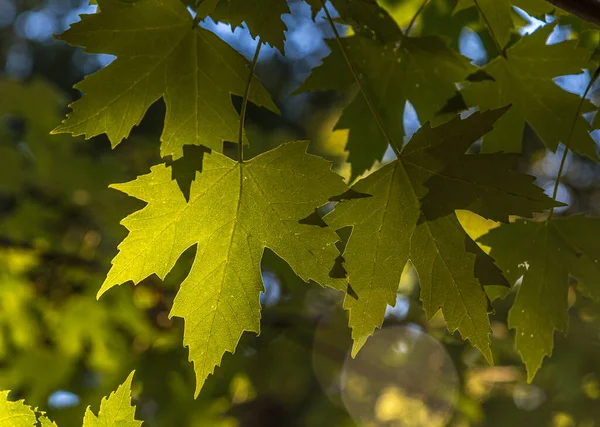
(545, 254)
(263, 18)
(235, 212)
(422, 70)
(522, 81)
(15, 414)
(45, 422)
(159, 54)
(401, 223)
(116, 410)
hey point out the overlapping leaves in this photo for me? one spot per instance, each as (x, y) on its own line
(391, 69)
(406, 209)
(410, 216)
(116, 410)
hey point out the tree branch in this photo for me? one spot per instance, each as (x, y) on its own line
(585, 9)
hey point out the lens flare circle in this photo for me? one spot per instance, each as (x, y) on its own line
(402, 377)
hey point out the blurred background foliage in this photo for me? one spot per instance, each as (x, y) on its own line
(62, 350)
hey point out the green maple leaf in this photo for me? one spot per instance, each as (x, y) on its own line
(159, 54)
(520, 80)
(45, 422)
(263, 18)
(545, 254)
(421, 70)
(15, 414)
(496, 14)
(400, 222)
(235, 212)
(114, 410)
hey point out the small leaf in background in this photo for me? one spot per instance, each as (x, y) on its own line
(521, 80)
(115, 410)
(263, 18)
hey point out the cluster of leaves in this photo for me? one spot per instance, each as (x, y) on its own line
(401, 212)
(116, 409)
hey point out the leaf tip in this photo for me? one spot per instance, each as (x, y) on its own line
(357, 344)
(532, 369)
(103, 289)
(487, 353)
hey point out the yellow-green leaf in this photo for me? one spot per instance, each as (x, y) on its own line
(116, 410)
(235, 211)
(15, 414)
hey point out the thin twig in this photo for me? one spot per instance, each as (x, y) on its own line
(491, 30)
(414, 18)
(585, 9)
(568, 141)
(358, 82)
(245, 102)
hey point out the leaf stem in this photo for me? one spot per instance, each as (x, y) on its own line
(490, 29)
(568, 141)
(414, 18)
(245, 102)
(360, 86)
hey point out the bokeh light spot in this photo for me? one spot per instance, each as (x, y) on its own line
(402, 377)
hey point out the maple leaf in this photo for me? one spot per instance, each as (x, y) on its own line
(495, 13)
(518, 79)
(15, 414)
(114, 410)
(401, 223)
(421, 70)
(545, 254)
(45, 422)
(236, 210)
(263, 18)
(159, 54)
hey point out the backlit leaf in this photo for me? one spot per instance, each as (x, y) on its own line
(410, 217)
(546, 254)
(159, 54)
(235, 211)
